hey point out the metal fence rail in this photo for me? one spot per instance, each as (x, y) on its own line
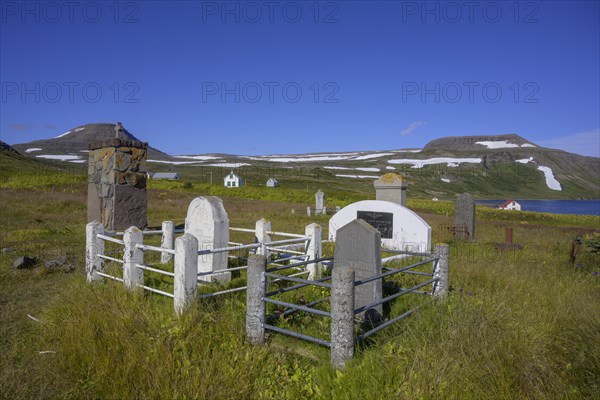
(343, 313)
(297, 335)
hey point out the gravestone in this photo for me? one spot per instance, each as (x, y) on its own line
(391, 187)
(208, 222)
(117, 182)
(464, 216)
(400, 228)
(319, 202)
(358, 247)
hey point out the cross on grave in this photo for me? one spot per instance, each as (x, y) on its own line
(353, 239)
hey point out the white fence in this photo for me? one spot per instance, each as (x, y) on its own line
(304, 249)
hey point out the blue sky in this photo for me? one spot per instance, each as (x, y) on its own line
(304, 76)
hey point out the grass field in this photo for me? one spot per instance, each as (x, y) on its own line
(517, 324)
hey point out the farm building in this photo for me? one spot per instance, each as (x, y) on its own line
(510, 205)
(172, 176)
(233, 180)
(272, 182)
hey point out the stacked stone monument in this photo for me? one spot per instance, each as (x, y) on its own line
(117, 182)
(391, 187)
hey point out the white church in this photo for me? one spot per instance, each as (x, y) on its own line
(232, 180)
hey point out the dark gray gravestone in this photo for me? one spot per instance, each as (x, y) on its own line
(358, 247)
(464, 216)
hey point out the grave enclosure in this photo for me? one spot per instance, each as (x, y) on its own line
(355, 276)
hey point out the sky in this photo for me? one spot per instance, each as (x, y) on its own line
(276, 77)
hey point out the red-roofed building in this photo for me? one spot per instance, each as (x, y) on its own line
(510, 205)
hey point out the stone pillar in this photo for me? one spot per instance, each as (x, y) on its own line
(391, 187)
(167, 240)
(117, 184)
(342, 315)
(314, 250)
(132, 275)
(93, 247)
(319, 202)
(441, 269)
(261, 228)
(255, 306)
(308, 211)
(208, 222)
(464, 216)
(358, 246)
(186, 272)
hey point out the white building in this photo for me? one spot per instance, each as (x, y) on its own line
(272, 182)
(172, 176)
(233, 180)
(510, 205)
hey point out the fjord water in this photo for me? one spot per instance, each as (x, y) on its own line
(580, 207)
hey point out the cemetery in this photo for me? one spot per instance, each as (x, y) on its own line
(224, 296)
(362, 233)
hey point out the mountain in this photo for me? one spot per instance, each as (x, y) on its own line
(488, 166)
(6, 148)
(474, 143)
(73, 144)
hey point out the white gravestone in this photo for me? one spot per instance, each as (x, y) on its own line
(208, 222)
(320, 202)
(400, 228)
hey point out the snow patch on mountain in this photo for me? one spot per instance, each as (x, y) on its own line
(502, 144)
(358, 176)
(65, 157)
(375, 155)
(449, 161)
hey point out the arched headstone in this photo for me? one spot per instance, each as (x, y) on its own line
(400, 228)
(208, 222)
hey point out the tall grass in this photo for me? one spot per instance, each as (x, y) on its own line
(514, 326)
(517, 324)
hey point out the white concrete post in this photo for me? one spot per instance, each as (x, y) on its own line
(324, 210)
(440, 269)
(314, 250)
(255, 306)
(93, 247)
(342, 316)
(167, 241)
(262, 237)
(308, 211)
(132, 275)
(186, 271)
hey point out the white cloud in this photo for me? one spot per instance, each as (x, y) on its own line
(585, 143)
(411, 127)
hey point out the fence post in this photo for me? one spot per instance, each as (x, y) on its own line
(132, 275)
(314, 249)
(167, 241)
(440, 269)
(261, 229)
(93, 247)
(255, 306)
(342, 316)
(186, 271)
